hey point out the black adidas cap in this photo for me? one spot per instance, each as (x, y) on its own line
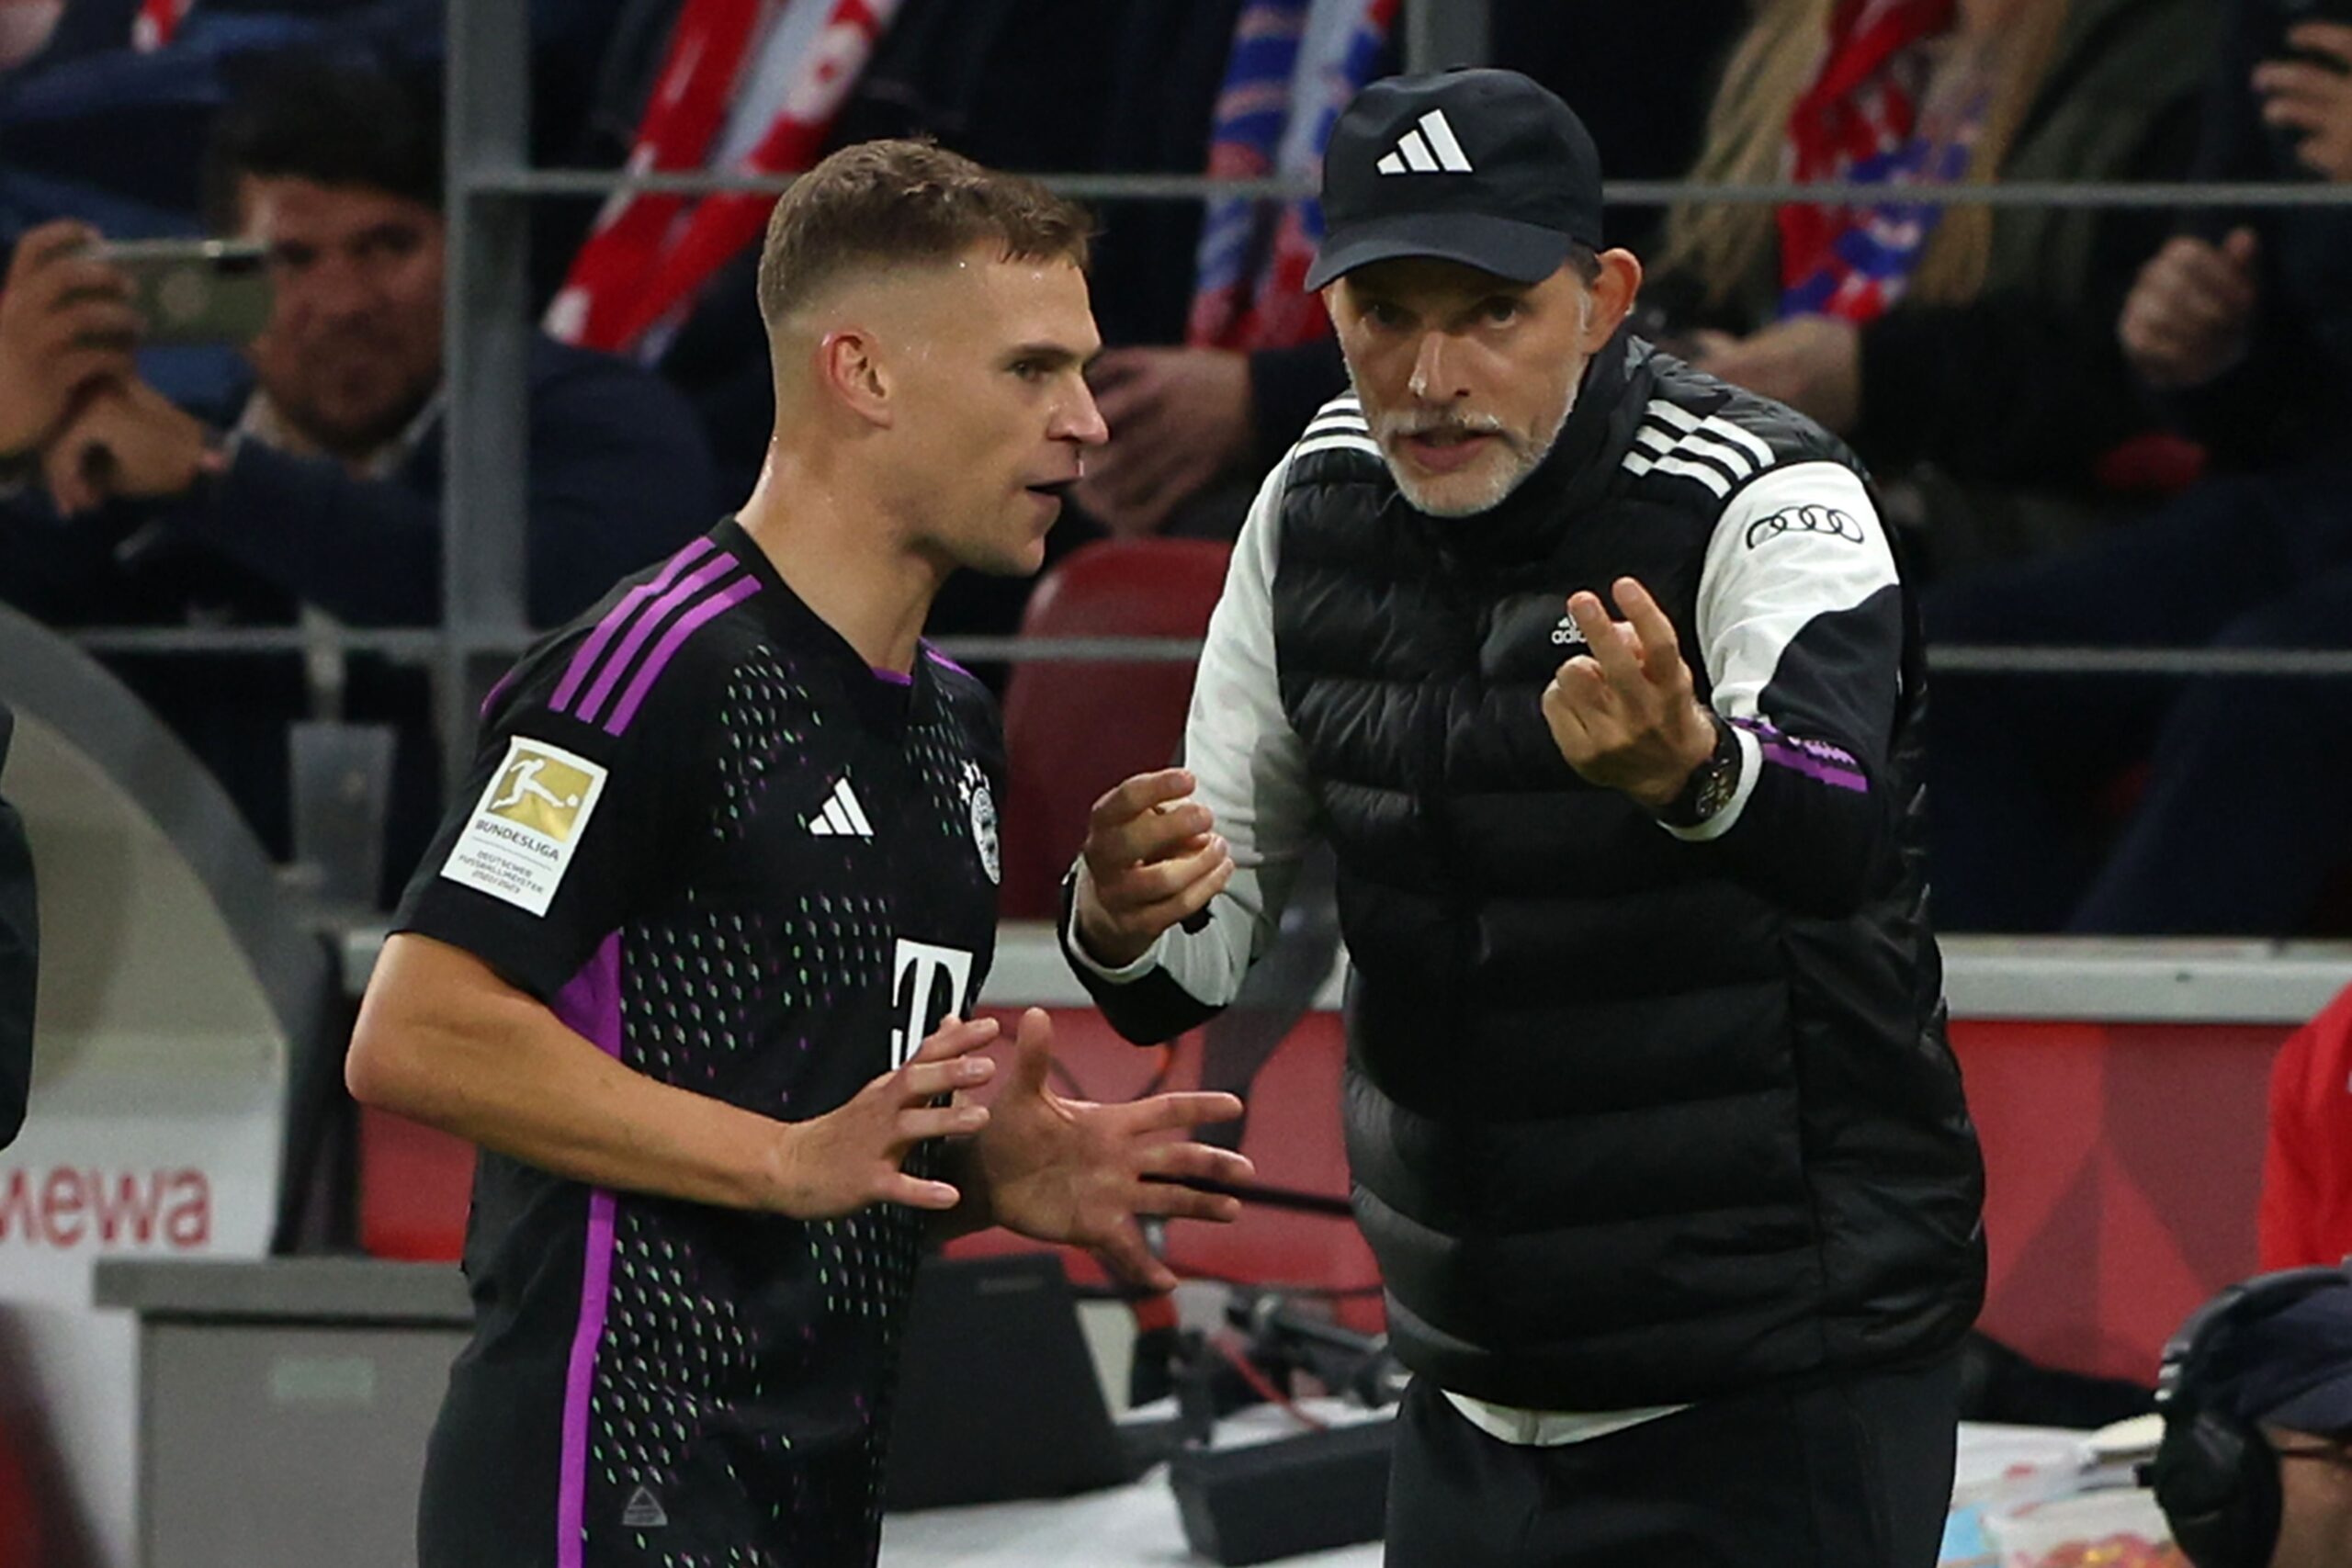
(1483, 167)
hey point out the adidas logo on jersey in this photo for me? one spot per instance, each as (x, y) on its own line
(644, 1511)
(842, 817)
(1568, 634)
(1429, 148)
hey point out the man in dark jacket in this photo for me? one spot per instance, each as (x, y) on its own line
(19, 956)
(321, 485)
(1649, 1111)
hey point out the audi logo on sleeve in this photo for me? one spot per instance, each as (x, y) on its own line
(1805, 520)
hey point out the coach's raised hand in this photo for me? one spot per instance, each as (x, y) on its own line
(1626, 716)
(1152, 858)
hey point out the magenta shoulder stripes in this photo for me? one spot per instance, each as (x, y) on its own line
(609, 676)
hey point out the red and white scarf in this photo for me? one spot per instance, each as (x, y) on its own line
(1294, 66)
(764, 81)
(1855, 124)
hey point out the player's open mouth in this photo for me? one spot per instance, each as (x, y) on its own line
(1053, 489)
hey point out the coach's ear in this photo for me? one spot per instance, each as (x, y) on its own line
(1612, 297)
(850, 371)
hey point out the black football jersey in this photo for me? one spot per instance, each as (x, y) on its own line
(722, 847)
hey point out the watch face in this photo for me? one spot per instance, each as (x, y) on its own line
(1715, 793)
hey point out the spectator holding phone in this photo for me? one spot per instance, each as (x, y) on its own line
(325, 481)
(321, 486)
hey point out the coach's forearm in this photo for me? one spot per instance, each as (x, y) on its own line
(443, 1041)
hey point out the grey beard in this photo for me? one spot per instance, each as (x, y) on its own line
(1511, 481)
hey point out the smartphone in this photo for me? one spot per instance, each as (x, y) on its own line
(193, 292)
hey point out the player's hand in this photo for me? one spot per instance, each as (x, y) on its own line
(126, 440)
(2314, 97)
(1152, 857)
(1626, 716)
(1073, 1171)
(2190, 314)
(848, 1159)
(1814, 364)
(66, 326)
(1179, 418)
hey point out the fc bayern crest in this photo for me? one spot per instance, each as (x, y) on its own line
(983, 804)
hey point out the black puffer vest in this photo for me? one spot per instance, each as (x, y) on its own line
(1622, 1132)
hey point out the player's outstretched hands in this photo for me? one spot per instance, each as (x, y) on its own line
(1625, 715)
(1152, 858)
(846, 1160)
(1071, 1170)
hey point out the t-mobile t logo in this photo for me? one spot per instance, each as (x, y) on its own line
(927, 983)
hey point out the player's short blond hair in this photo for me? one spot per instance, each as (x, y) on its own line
(883, 204)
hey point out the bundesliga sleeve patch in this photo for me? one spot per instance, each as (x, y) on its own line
(526, 826)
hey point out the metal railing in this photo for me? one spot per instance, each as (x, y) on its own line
(489, 329)
(1091, 186)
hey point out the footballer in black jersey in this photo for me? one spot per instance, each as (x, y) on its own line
(694, 955)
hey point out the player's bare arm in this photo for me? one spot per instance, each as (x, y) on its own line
(441, 1039)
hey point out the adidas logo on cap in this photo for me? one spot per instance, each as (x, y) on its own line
(1429, 148)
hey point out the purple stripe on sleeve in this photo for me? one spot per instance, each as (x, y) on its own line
(1780, 753)
(696, 582)
(718, 604)
(615, 619)
(591, 1004)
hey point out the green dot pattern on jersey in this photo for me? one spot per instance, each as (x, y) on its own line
(717, 994)
(765, 717)
(670, 1356)
(947, 775)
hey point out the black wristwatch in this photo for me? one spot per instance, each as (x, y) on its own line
(1711, 784)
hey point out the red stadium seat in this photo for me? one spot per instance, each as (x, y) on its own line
(1074, 729)
(415, 1184)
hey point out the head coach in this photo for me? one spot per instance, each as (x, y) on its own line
(1649, 1111)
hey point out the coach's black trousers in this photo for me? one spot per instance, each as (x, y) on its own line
(1849, 1474)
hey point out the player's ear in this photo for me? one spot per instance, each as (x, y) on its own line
(850, 370)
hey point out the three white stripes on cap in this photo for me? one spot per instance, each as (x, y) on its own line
(842, 817)
(1430, 150)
